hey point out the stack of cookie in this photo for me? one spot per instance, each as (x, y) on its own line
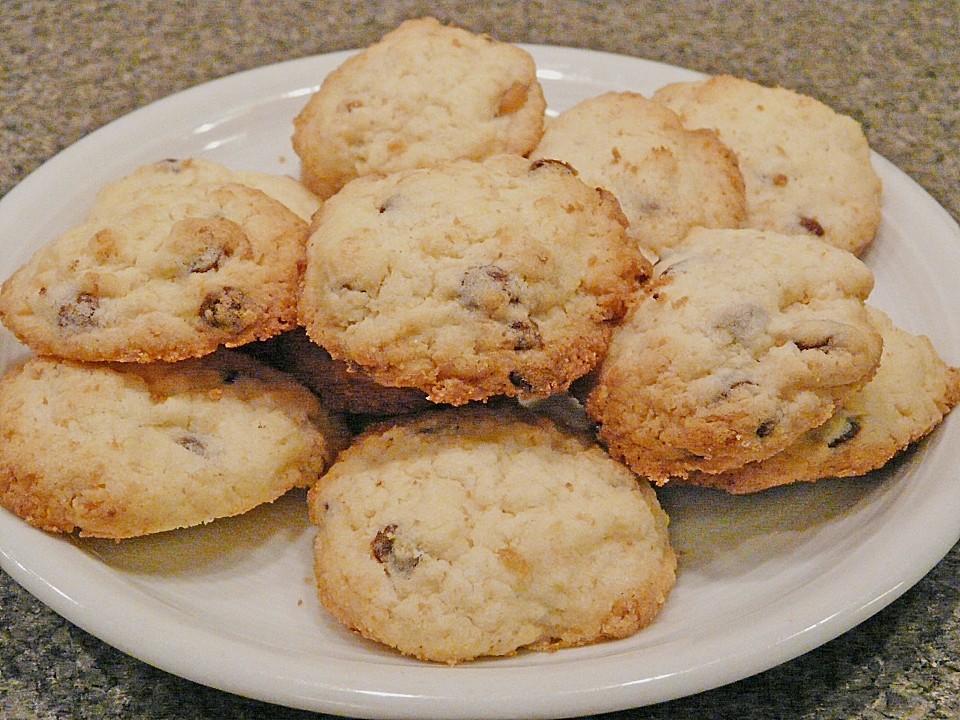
(146, 421)
(751, 359)
(743, 358)
(446, 262)
(685, 266)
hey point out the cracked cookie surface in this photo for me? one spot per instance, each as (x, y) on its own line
(119, 450)
(172, 261)
(807, 168)
(908, 397)
(667, 178)
(470, 532)
(470, 279)
(426, 92)
(741, 342)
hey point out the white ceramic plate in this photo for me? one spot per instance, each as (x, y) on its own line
(231, 605)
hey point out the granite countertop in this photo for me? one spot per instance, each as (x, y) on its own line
(69, 68)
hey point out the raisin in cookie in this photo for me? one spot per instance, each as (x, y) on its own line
(807, 168)
(169, 264)
(341, 386)
(426, 92)
(908, 397)
(473, 532)
(667, 178)
(470, 279)
(741, 343)
(118, 450)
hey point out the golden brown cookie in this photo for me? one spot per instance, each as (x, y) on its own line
(908, 397)
(118, 450)
(471, 532)
(426, 92)
(807, 169)
(469, 280)
(172, 262)
(666, 177)
(742, 342)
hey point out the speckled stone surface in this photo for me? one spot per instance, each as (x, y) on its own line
(69, 68)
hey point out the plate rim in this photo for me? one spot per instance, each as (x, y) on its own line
(340, 695)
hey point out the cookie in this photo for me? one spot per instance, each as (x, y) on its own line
(908, 397)
(196, 171)
(340, 386)
(118, 450)
(470, 280)
(742, 342)
(284, 188)
(170, 263)
(472, 532)
(807, 169)
(426, 92)
(667, 178)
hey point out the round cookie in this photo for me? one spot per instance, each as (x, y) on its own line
(426, 92)
(121, 450)
(908, 397)
(666, 178)
(470, 279)
(472, 532)
(742, 342)
(340, 386)
(807, 169)
(172, 262)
